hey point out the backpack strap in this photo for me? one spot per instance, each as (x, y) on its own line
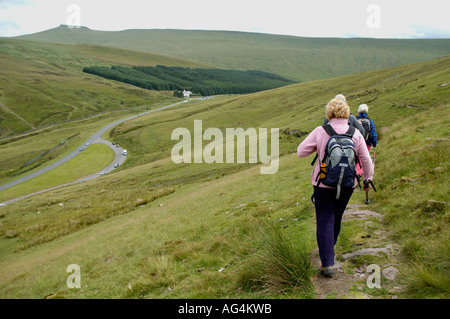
(329, 129)
(315, 159)
(351, 131)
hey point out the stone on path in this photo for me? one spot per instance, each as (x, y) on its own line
(390, 273)
(366, 251)
(350, 214)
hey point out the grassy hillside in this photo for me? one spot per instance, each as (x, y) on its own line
(42, 84)
(155, 229)
(298, 58)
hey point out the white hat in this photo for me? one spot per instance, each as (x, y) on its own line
(340, 97)
(363, 108)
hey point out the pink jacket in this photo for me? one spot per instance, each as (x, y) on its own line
(317, 140)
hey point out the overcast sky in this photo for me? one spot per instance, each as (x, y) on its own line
(323, 18)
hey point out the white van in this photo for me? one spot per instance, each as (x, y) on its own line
(125, 153)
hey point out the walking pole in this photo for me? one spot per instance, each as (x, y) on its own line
(366, 186)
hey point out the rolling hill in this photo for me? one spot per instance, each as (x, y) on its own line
(43, 83)
(156, 229)
(297, 58)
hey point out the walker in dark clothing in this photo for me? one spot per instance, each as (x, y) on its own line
(329, 211)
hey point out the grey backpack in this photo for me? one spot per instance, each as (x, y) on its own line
(365, 122)
(338, 167)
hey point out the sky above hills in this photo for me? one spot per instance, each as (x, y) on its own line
(325, 18)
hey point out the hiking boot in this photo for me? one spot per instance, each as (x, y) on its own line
(326, 271)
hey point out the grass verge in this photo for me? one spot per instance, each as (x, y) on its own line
(90, 161)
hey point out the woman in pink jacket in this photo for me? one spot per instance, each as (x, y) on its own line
(329, 208)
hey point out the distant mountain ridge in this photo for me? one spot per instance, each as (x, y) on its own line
(297, 58)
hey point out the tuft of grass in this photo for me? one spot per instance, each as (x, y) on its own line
(279, 265)
(425, 281)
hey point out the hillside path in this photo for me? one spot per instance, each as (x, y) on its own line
(353, 278)
(7, 109)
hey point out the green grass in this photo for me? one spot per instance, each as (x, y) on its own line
(44, 83)
(414, 198)
(280, 264)
(91, 160)
(392, 94)
(155, 229)
(187, 233)
(298, 58)
(16, 151)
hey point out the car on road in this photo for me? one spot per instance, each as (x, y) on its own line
(117, 165)
(81, 149)
(102, 173)
(87, 144)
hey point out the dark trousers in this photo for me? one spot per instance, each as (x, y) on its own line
(329, 211)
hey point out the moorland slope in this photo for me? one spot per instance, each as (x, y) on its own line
(297, 58)
(156, 229)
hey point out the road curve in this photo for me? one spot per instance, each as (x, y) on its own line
(119, 158)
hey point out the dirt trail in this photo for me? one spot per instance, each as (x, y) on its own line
(17, 115)
(371, 245)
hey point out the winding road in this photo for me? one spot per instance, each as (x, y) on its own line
(119, 158)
